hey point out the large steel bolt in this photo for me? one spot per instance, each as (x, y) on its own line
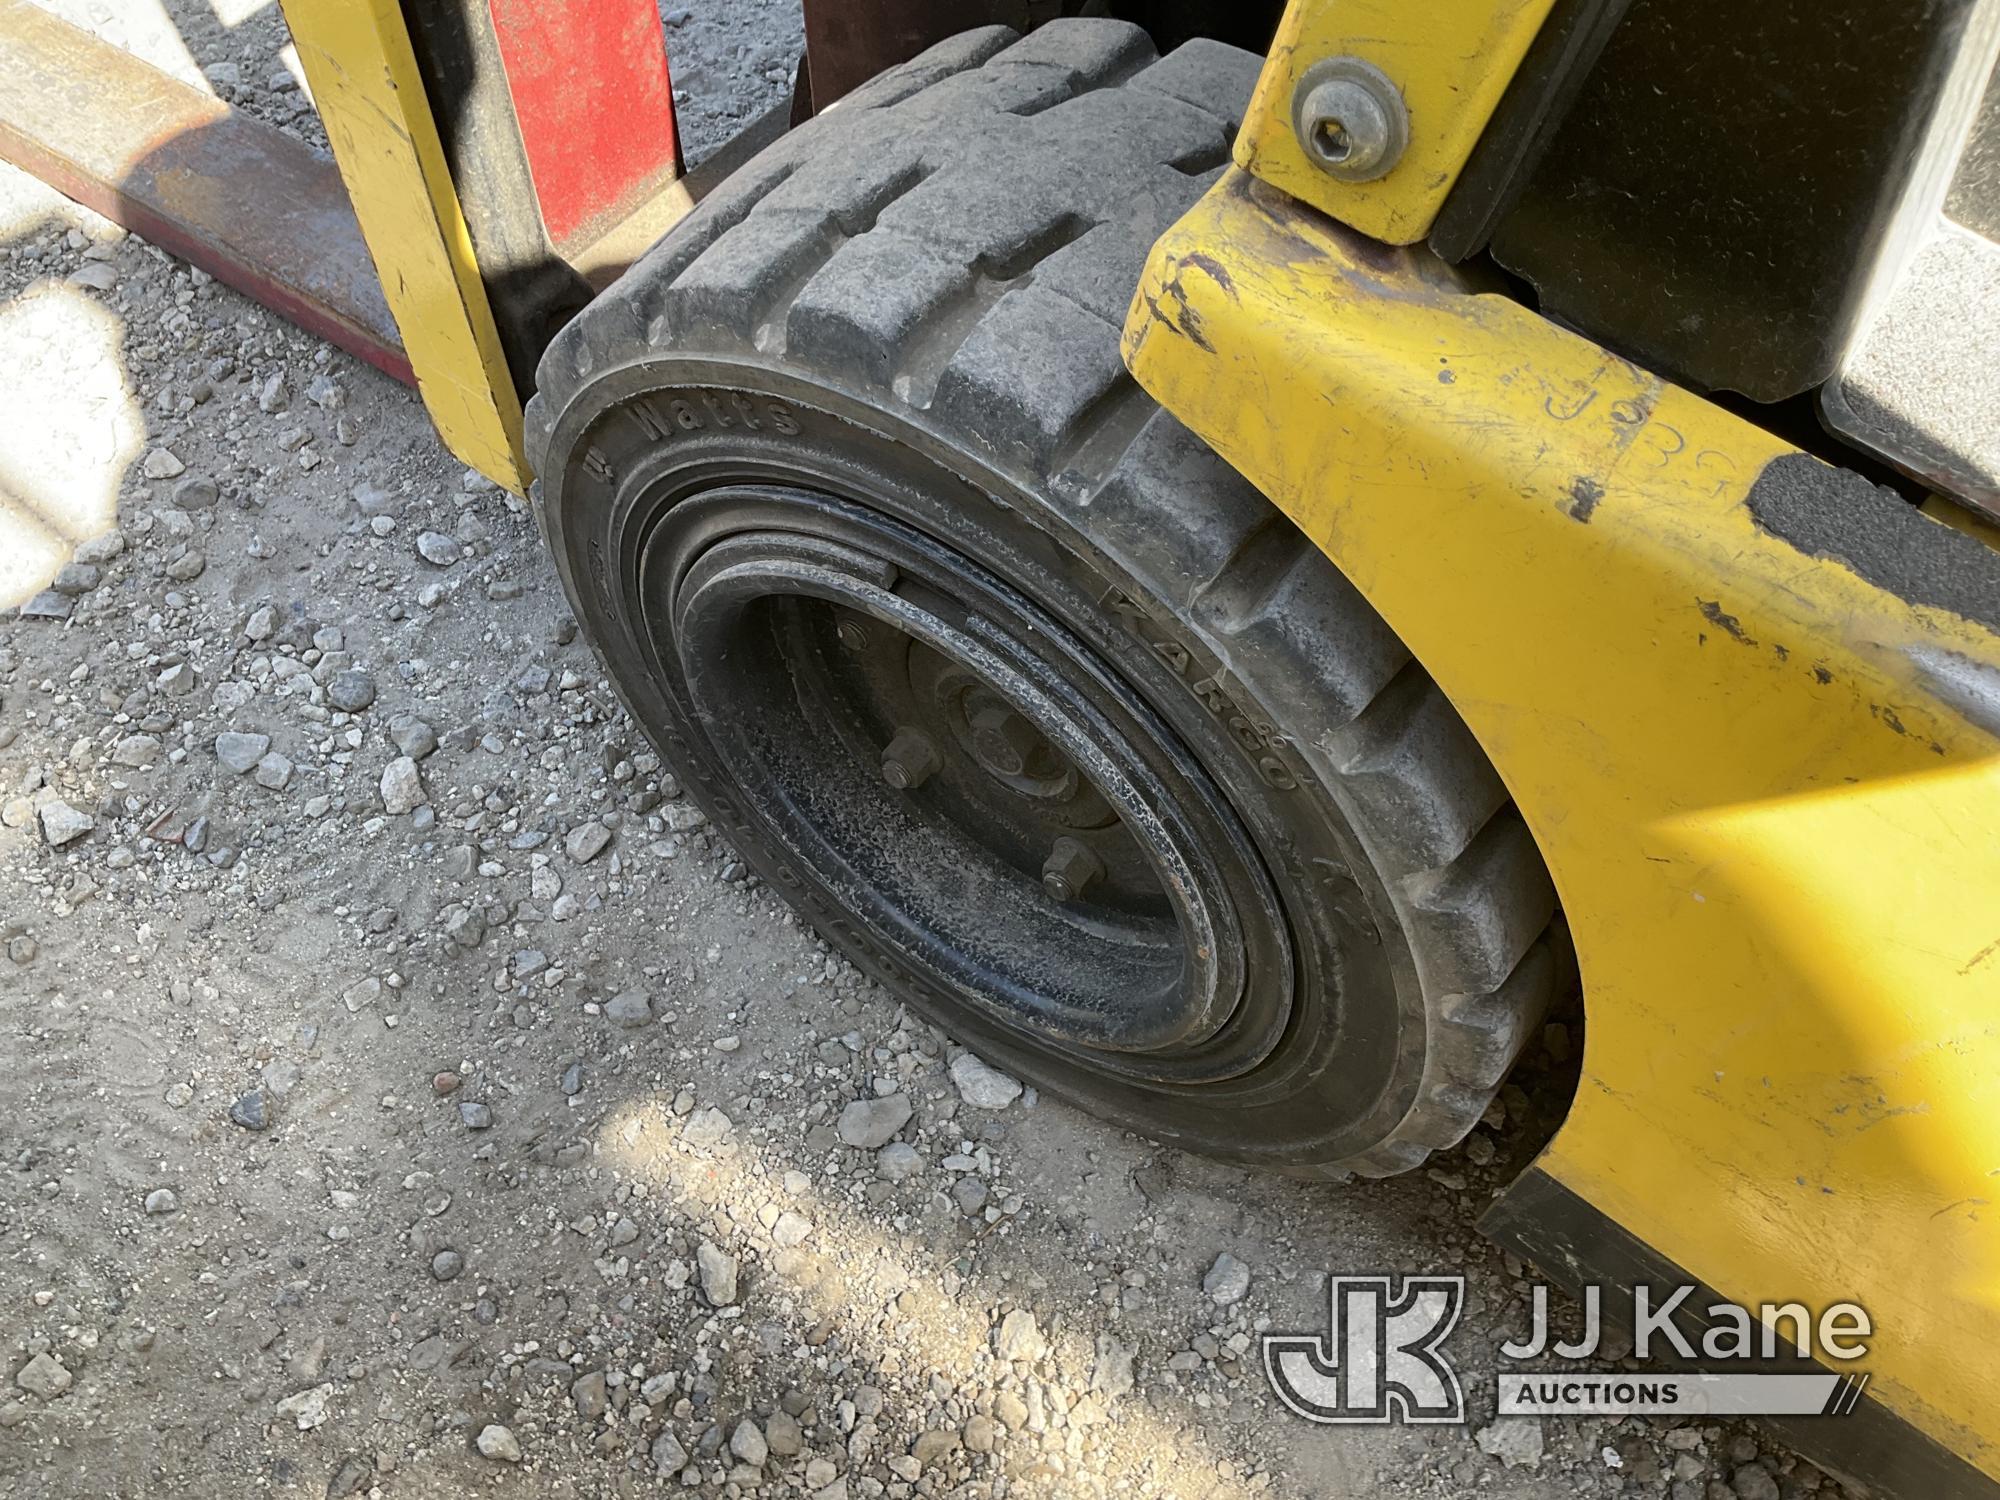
(1071, 867)
(852, 635)
(1003, 739)
(910, 760)
(1350, 119)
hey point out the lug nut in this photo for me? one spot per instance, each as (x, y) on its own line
(1003, 739)
(910, 760)
(852, 636)
(1070, 868)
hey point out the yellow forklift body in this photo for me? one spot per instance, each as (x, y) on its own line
(1763, 766)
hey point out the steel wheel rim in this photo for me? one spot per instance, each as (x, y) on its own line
(745, 587)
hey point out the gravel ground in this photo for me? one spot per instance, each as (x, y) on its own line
(407, 1093)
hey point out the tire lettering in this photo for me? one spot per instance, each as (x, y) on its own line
(1259, 740)
(1211, 695)
(655, 426)
(1126, 610)
(709, 411)
(600, 574)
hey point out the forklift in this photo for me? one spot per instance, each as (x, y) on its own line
(1231, 555)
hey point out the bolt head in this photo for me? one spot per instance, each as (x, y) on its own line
(1004, 740)
(1350, 119)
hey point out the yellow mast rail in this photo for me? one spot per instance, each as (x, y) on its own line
(363, 73)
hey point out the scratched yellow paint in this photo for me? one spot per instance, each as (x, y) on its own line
(1451, 60)
(1778, 849)
(357, 59)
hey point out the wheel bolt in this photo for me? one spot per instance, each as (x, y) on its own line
(1070, 868)
(852, 636)
(910, 760)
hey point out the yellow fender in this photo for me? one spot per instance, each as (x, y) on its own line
(1750, 707)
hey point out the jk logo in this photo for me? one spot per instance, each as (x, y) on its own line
(1380, 1360)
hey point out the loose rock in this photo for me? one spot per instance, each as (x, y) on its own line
(241, 752)
(747, 1443)
(784, 1434)
(669, 1457)
(77, 579)
(1020, 1337)
(1227, 1281)
(982, 1086)
(307, 1408)
(44, 1376)
(869, 1123)
(589, 1397)
(708, 1127)
(413, 737)
(933, 1447)
(402, 788)
(101, 549)
(586, 841)
(497, 1443)
(718, 1273)
(629, 1008)
(49, 604)
(196, 493)
(1112, 1375)
(897, 1161)
(63, 824)
(351, 691)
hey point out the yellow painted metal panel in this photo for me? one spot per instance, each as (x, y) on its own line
(1777, 845)
(357, 58)
(1451, 59)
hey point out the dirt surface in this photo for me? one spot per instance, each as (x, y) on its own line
(407, 1094)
